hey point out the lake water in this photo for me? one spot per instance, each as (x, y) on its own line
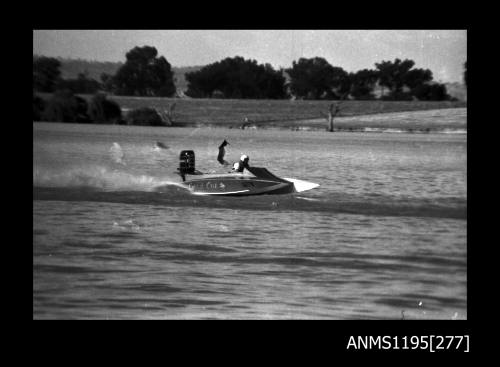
(383, 237)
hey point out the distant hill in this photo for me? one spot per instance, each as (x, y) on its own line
(179, 74)
(457, 90)
(70, 68)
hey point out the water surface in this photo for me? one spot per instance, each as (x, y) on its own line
(114, 236)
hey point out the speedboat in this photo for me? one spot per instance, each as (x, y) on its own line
(257, 181)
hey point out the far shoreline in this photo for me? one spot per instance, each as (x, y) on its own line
(373, 116)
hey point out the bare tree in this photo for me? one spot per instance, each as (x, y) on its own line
(333, 110)
(167, 115)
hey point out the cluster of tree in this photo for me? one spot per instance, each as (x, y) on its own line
(236, 78)
(404, 83)
(64, 106)
(313, 78)
(46, 74)
(144, 73)
(316, 79)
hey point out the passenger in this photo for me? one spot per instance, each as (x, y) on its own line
(242, 164)
(222, 153)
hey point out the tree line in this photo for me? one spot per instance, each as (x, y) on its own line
(145, 73)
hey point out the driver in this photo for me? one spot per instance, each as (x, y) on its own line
(241, 164)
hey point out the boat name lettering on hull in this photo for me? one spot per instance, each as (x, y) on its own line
(206, 185)
(214, 185)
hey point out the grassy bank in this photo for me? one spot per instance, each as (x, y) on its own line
(263, 112)
(353, 115)
(437, 120)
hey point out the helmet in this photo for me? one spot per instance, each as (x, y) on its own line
(244, 157)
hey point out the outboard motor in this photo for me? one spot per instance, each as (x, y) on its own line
(186, 163)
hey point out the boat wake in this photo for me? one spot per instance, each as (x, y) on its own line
(116, 182)
(100, 178)
(153, 191)
(308, 199)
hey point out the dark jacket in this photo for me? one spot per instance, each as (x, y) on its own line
(240, 166)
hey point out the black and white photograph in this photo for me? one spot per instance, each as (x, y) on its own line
(250, 174)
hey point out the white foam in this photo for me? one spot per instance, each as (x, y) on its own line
(307, 199)
(99, 177)
(116, 153)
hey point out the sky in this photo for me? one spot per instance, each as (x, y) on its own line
(442, 51)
